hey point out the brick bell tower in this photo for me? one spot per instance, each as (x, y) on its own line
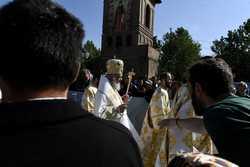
(128, 35)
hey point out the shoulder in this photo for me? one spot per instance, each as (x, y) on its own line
(111, 125)
(90, 90)
(103, 132)
(161, 92)
(93, 89)
(230, 105)
(107, 129)
(114, 140)
(87, 90)
(215, 113)
(100, 94)
(218, 110)
(164, 92)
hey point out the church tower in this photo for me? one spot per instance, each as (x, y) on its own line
(128, 35)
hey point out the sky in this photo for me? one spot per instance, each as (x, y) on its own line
(206, 20)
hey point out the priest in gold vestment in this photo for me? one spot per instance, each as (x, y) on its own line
(154, 138)
(161, 145)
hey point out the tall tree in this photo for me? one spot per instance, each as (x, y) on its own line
(157, 43)
(90, 58)
(178, 52)
(235, 50)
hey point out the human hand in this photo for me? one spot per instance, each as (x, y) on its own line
(167, 123)
(121, 108)
(125, 99)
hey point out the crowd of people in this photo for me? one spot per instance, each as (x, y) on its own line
(203, 121)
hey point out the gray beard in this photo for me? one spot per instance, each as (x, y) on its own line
(116, 86)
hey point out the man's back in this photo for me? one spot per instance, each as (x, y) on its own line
(59, 133)
(228, 123)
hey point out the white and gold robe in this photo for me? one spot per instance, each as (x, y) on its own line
(161, 145)
(182, 140)
(154, 138)
(106, 101)
(88, 99)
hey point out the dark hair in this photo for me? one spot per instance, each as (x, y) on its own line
(40, 44)
(164, 75)
(214, 75)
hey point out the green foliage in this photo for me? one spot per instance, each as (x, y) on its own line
(234, 49)
(178, 52)
(157, 43)
(90, 58)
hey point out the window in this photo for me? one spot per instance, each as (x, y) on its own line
(147, 17)
(118, 41)
(129, 40)
(109, 41)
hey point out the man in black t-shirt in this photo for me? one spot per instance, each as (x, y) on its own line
(40, 45)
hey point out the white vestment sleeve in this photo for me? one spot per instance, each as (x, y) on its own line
(100, 104)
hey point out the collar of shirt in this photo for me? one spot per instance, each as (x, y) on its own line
(47, 98)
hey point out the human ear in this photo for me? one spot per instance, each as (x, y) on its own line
(198, 89)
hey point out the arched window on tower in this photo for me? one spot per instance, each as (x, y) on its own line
(129, 40)
(118, 41)
(109, 41)
(147, 17)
